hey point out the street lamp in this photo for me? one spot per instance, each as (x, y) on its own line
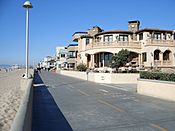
(27, 5)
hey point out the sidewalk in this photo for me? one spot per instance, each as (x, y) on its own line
(46, 114)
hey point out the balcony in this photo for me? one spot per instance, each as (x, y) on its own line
(165, 63)
(71, 60)
(77, 35)
(118, 44)
(157, 62)
(160, 42)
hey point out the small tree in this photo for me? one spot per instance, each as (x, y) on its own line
(81, 67)
(120, 59)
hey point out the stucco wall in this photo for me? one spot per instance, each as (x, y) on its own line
(115, 78)
(160, 89)
(124, 78)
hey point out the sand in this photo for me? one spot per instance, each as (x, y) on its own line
(10, 97)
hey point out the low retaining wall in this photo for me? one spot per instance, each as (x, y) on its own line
(112, 78)
(23, 118)
(160, 89)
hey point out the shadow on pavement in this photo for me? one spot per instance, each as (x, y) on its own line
(46, 115)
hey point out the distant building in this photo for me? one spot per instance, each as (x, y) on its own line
(49, 62)
(61, 57)
(72, 56)
(149, 47)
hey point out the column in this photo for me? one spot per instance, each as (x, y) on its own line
(92, 60)
(161, 58)
(103, 59)
(139, 60)
(99, 60)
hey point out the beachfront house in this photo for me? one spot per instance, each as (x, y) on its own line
(149, 47)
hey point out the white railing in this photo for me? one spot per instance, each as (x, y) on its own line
(157, 62)
(160, 42)
(114, 44)
(167, 62)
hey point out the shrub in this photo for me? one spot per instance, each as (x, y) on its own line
(157, 76)
(81, 67)
(120, 59)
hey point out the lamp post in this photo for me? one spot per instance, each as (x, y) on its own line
(27, 5)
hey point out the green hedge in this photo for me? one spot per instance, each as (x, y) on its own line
(157, 76)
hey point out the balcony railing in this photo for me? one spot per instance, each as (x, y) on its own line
(71, 60)
(157, 62)
(165, 62)
(114, 44)
(160, 42)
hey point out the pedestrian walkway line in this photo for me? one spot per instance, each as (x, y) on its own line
(69, 89)
(114, 87)
(71, 86)
(83, 93)
(36, 85)
(110, 105)
(158, 127)
(102, 90)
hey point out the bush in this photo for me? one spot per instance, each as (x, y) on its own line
(157, 76)
(120, 59)
(81, 67)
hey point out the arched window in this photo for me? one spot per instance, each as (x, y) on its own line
(166, 55)
(156, 55)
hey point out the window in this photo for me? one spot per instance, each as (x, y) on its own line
(164, 36)
(156, 54)
(166, 55)
(98, 39)
(157, 36)
(87, 41)
(62, 55)
(72, 54)
(108, 38)
(141, 36)
(144, 56)
(123, 37)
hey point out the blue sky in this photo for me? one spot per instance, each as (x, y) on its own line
(52, 22)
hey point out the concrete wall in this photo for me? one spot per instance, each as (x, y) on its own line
(160, 89)
(124, 78)
(23, 118)
(114, 78)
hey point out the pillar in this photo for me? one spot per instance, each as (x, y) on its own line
(139, 60)
(92, 60)
(161, 58)
(103, 59)
(99, 60)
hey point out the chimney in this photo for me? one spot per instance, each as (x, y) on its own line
(94, 30)
(133, 25)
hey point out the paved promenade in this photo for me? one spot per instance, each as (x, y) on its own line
(64, 103)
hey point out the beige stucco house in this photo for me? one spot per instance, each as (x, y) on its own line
(150, 47)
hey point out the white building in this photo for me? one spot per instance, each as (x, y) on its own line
(48, 63)
(61, 57)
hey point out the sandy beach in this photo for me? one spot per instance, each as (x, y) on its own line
(10, 97)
